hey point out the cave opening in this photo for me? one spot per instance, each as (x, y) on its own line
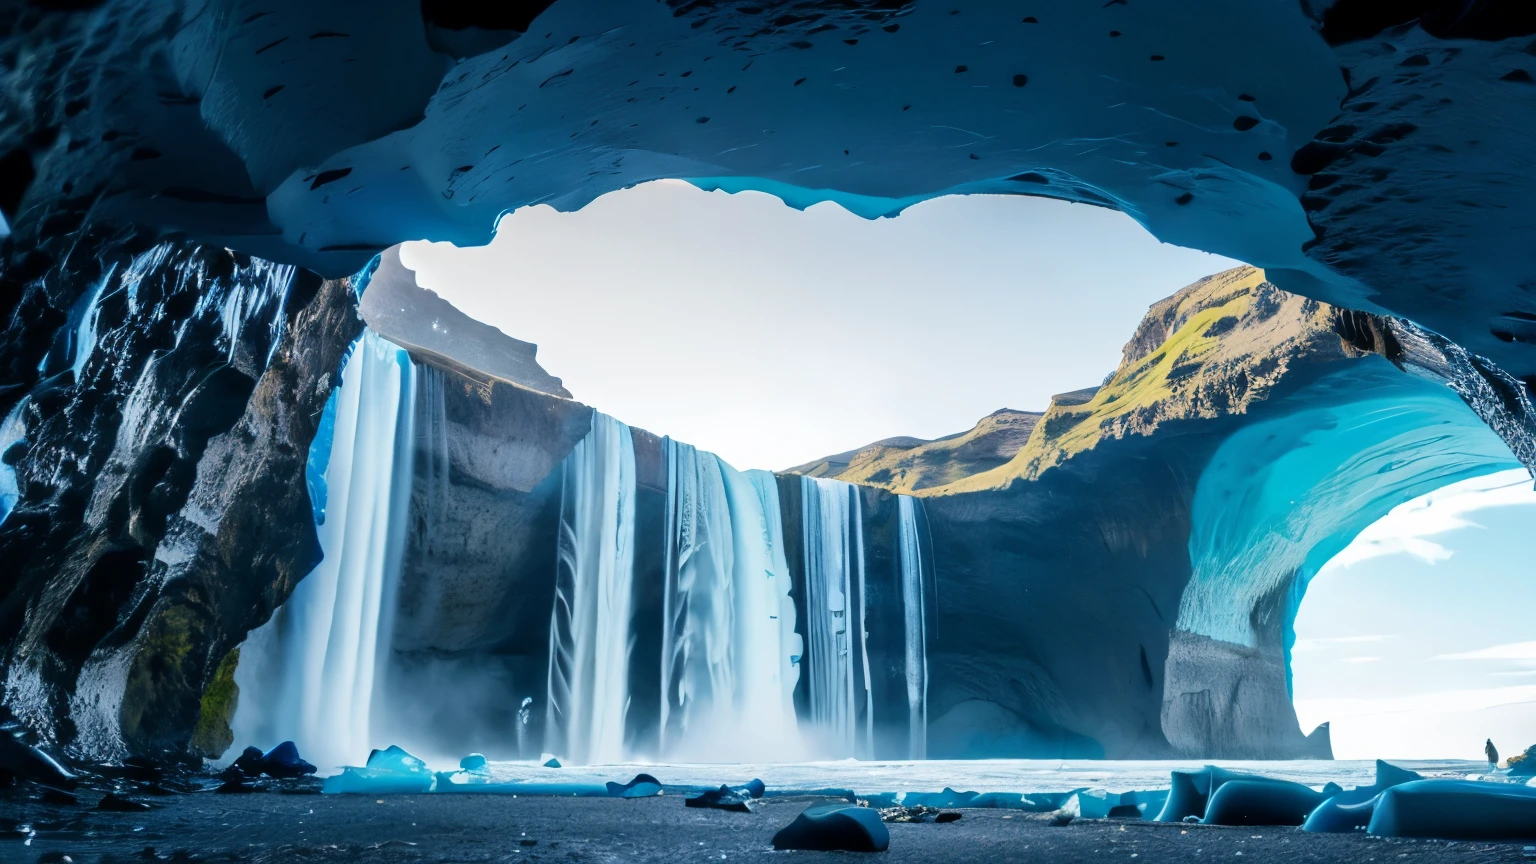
(1404, 641)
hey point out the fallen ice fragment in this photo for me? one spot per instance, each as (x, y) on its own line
(643, 786)
(1261, 802)
(389, 771)
(1456, 810)
(831, 827)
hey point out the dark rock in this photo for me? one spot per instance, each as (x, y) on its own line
(249, 761)
(283, 761)
(27, 762)
(236, 786)
(114, 803)
(58, 798)
(900, 813)
(833, 827)
(947, 816)
(1124, 811)
(724, 798)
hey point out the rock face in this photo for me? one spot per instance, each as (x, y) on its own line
(162, 508)
(1169, 501)
(910, 465)
(416, 319)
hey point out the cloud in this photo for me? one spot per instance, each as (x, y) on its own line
(1408, 529)
(1362, 659)
(1508, 651)
(1440, 702)
(1321, 642)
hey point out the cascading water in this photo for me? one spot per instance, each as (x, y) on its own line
(590, 629)
(915, 618)
(728, 641)
(13, 431)
(837, 661)
(312, 673)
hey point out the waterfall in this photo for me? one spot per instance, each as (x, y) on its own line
(837, 659)
(312, 673)
(915, 615)
(13, 431)
(728, 640)
(590, 633)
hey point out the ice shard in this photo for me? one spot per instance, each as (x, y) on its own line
(590, 628)
(837, 661)
(728, 624)
(313, 673)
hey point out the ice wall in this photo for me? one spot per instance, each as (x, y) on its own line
(728, 640)
(312, 672)
(590, 628)
(1282, 497)
(836, 659)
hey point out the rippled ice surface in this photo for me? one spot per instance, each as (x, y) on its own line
(985, 775)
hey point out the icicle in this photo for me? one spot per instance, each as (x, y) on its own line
(914, 610)
(311, 673)
(589, 639)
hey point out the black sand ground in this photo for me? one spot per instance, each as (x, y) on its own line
(271, 827)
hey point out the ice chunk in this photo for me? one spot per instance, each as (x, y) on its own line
(832, 827)
(1344, 812)
(643, 786)
(1261, 801)
(1456, 810)
(389, 771)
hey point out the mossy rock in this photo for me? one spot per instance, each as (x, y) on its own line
(212, 736)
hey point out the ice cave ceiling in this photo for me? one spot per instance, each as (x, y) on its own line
(1374, 155)
(164, 387)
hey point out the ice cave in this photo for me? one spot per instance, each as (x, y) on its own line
(279, 518)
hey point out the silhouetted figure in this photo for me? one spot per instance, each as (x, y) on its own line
(1493, 753)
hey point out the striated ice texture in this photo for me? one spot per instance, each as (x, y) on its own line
(310, 674)
(728, 623)
(589, 640)
(1282, 497)
(837, 663)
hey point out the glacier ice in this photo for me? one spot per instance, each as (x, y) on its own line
(1281, 497)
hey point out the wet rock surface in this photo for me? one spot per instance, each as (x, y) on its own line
(162, 508)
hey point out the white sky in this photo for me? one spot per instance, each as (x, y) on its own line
(774, 337)
(1413, 642)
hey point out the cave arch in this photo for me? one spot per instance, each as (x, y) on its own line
(1278, 500)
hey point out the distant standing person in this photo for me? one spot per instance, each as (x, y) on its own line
(1492, 753)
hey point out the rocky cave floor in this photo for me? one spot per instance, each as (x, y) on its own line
(281, 826)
